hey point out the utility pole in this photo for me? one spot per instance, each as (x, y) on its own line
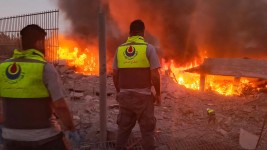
(102, 74)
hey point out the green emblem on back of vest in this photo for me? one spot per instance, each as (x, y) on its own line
(130, 52)
(13, 73)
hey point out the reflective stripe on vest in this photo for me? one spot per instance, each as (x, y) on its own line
(23, 79)
(133, 55)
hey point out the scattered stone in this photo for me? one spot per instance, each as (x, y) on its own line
(109, 93)
(210, 104)
(187, 112)
(90, 109)
(69, 71)
(248, 109)
(112, 133)
(62, 62)
(74, 76)
(114, 106)
(76, 95)
(62, 69)
(76, 117)
(222, 132)
(182, 109)
(88, 98)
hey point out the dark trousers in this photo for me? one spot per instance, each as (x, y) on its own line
(53, 143)
(136, 107)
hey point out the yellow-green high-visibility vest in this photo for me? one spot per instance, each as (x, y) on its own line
(23, 79)
(132, 54)
(133, 64)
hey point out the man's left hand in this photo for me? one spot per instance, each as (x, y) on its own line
(157, 101)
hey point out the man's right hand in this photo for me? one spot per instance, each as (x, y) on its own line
(73, 138)
(155, 78)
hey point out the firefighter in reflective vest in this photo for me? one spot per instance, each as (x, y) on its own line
(135, 70)
(31, 93)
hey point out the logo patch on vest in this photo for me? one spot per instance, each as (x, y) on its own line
(130, 52)
(13, 73)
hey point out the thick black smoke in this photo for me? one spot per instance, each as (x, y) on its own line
(83, 16)
(238, 28)
(183, 28)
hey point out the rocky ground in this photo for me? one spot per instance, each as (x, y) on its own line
(183, 114)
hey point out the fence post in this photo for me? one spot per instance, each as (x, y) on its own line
(103, 74)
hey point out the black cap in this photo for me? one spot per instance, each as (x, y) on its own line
(34, 31)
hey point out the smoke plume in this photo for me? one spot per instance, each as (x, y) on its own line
(180, 29)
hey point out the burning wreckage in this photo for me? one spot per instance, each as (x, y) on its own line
(213, 103)
(233, 89)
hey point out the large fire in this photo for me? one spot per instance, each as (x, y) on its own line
(221, 84)
(85, 61)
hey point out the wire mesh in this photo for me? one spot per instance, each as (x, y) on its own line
(166, 142)
(11, 26)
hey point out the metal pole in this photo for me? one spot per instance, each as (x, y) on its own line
(260, 138)
(102, 75)
(57, 41)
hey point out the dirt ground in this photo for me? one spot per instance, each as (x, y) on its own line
(182, 115)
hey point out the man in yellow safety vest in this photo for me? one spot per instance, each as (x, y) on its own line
(135, 70)
(31, 94)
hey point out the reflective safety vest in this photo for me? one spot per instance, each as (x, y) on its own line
(26, 99)
(133, 65)
(133, 54)
(23, 78)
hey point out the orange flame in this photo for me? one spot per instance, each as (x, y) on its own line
(220, 84)
(83, 61)
(189, 80)
(86, 62)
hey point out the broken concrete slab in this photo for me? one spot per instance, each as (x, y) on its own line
(247, 139)
(62, 62)
(222, 132)
(77, 95)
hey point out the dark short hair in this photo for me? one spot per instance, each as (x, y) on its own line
(137, 26)
(30, 34)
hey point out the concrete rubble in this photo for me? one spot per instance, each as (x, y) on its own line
(183, 113)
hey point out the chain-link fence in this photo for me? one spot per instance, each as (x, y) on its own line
(167, 142)
(11, 26)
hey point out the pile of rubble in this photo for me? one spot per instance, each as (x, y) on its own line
(183, 114)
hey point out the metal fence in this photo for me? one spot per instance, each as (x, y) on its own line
(167, 142)
(11, 26)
